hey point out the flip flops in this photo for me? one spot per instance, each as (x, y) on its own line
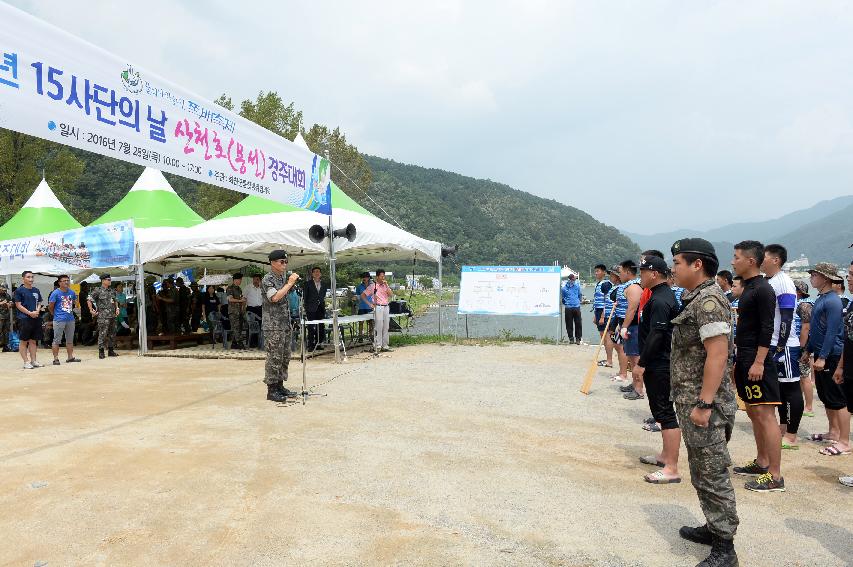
(604, 364)
(790, 447)
(846, 480)
(833, 451)
(658, 477)
(808, 414)
(820, 438)
(653, 427)
(651, 460)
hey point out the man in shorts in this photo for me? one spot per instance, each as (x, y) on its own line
(629, 334)
(601, 307)
(755, 370)
(785, 344)
(844, 375)
(802, 323)
(28, 319)
(826, 345)
(61, 306)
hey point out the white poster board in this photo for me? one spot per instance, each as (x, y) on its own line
(510, 290)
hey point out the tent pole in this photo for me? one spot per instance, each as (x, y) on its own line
(140, 304)
(439, 297)
(334, 285)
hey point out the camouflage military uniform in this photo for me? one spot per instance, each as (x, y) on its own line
(5, 318)
(236, 313)
(706, 314)
(104, 300)
(275, 322)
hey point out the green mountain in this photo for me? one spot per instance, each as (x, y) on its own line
(492, 222)
(821, 232)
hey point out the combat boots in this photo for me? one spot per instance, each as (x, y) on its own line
(285, 391)
(101, 353)
(722, 554)
(111, 352)
(697, 535)
(274, 394)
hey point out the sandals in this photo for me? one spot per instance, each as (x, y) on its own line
(846, 480)
(604, 364)
(789, 446)
(658, 477)
(653, 427)
(808, 414)
(618, 378)
(651, 460)
(833, 451)
(820, 438)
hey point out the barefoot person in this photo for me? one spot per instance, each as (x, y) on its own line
(655, 336)
(703, 395)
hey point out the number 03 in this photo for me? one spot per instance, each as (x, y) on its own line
(753, 392)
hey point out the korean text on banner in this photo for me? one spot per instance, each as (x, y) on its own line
(61, 88)
(101, 246)
(510, 290)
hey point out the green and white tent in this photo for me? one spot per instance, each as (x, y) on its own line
(158, 213)
(41, 214)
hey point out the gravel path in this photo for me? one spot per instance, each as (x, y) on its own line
(430, 455)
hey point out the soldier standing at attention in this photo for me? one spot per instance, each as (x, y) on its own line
(703, 395)
(275, 321)
(103, 305)
(5, 317)
(236, 310)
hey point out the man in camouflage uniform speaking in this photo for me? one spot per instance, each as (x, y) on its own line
(275, 321)
(103, 305)
(703, 395)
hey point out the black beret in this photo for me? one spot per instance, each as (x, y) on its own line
(277, 255)
(694, 246)
(106, 277)
(237, 276)
(655, 264)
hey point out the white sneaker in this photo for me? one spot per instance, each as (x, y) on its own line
(28, 366)
(37, 364)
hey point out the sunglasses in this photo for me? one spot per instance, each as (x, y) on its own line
(281, 261)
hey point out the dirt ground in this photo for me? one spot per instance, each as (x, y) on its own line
(430, 455)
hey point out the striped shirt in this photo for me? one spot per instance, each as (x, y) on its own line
(622, 300)
(600, 298)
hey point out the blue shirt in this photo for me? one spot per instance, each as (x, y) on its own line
(30, 298)
(362, 304)
(572, 294)
(64, 308)
(293, 303)
(827, 328)
(601, 298)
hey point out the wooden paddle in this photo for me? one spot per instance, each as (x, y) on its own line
(593, 366)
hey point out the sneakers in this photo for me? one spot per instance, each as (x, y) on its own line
(37, 364)
(634, 395)
(73, 359)
(750, 469)
(627, 388)
(722, 554)
(56, 362)
(697, 535)
(846, 480)
(28, 366)
(765, 483)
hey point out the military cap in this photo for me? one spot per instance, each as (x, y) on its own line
(694, 246)
(237, 276)
(655, 264)
(614, 269)
(106, 277)
(801, 287)
(277, 255)
(828, 270)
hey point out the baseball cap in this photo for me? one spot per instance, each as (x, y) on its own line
(655, 264)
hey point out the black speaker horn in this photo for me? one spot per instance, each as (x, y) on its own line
(448, 250)
(348, 232)
(317, 233)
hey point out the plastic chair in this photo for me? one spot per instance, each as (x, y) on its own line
(254, 328)
(214, 320)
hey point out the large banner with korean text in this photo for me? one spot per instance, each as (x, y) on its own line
(61, 88)
(70, 251)
(510, 290)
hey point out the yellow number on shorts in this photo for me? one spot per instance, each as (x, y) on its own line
(753, 392)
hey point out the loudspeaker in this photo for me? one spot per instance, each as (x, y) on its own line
(449, 250)
(317, 233)
(348, 232)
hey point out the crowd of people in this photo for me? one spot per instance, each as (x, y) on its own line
(698, 342)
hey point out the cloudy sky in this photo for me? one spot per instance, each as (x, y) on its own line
(648, 115)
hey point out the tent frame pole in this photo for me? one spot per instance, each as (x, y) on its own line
(140, 304)
(334, 284)
(439, 297)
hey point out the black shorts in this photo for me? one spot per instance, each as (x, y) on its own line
(657, 381)
(761, 392)
(832, 395)
(847, 387)
(29, 329)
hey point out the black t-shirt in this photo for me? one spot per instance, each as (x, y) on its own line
(755, 313)
(656, 327)
(211, 303)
